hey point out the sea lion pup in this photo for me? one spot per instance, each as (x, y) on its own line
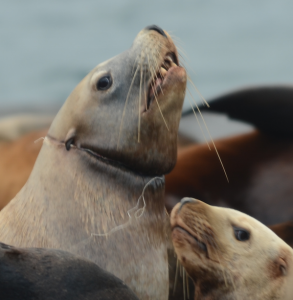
(230, 255)
(37, 273)
(97, 187)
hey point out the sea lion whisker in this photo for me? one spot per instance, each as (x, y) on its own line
(214, 246)
(139, 103)
(184, 292)
(161, 112)
(187, 284)
(126, 224)
(135, 64)
(222, 267)
(154, 74)
(198, 92)
(123, 114)
(37, 140)
(197, 120)
(176, 276)
(210, 137)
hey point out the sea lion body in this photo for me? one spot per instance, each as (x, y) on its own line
(97, 188)
(17, 159)
(259, 168)
(230, 255)
(14, 127)
(45, 274)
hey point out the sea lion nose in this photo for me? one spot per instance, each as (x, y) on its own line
(186, 200)
(156, 28)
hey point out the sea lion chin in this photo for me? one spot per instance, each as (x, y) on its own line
(230, 255)
(92, 190)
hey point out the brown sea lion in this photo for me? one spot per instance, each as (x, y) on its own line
(230, 255)
(17, 159)
(259, 169)
(46, 274)
(259, 164)
(97, 187)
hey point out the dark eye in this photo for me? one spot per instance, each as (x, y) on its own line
(104, 83)
(241, 235)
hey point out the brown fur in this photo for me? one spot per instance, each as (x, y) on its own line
(17, 159)
(259, 168)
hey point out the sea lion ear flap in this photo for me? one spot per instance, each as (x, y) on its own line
(70, 138)
(282, 266)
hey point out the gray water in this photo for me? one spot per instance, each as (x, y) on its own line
(48, 46)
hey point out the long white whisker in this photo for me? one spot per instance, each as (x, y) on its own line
(201, 96)
(199, 124)
(123, 114)
(210, 138)
(139, 103)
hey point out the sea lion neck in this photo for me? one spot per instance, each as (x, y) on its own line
(94, 210)
(103, 183)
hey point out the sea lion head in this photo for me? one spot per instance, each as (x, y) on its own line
(230, 255)
(128, 108)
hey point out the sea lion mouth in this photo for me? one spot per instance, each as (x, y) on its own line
(158, 81)
(193, 239)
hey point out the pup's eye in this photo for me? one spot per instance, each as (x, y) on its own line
(104, 83)
(241, 234)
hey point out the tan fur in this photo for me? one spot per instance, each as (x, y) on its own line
(94, 165)
(259, 268)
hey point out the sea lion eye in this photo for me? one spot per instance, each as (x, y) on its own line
(104, 83)
(241, 234)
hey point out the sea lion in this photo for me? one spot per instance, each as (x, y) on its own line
(13, 127)
(97, 187)
(268, 107)
(259, 168)
(230, 255)
(17, 159)
(258, 164)
(45, 274)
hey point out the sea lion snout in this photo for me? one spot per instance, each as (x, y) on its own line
(129, 107)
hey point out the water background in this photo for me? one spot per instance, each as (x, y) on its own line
(48, 46)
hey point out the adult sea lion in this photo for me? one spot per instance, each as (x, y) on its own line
(230, 255)
(259, 164)
(45, 274)
(259, 169)
(100, 168)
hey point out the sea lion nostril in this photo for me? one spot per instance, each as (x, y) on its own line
(156, 28)
(185, 201)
